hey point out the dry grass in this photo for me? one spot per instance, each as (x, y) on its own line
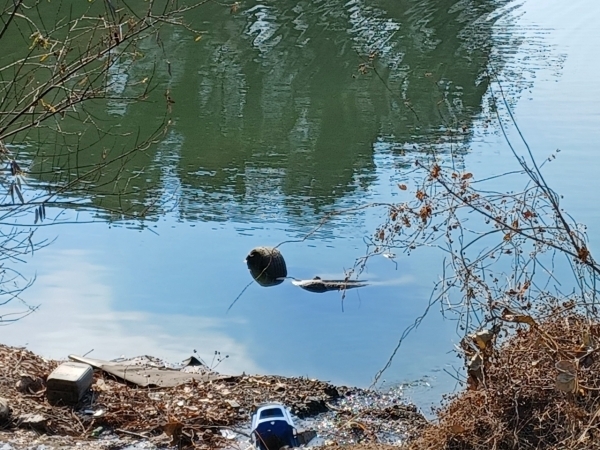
(515, 402)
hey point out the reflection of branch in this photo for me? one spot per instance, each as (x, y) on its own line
(328, 217)
(16, 6)
(507, 261)
(238, 296)
(56, 70)
(367, 63)
(404, 335)
(64, 72)
(536, 175)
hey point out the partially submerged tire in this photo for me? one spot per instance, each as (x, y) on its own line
(267, 266)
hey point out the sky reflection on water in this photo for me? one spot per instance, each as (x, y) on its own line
(104, 298)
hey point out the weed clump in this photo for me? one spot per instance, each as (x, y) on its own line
(539, 389)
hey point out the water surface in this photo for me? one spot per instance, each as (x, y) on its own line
(286, 112)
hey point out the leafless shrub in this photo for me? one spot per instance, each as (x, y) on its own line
(521, 283)
(57, 74)
(519, 399)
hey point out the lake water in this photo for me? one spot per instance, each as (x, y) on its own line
(286, 112)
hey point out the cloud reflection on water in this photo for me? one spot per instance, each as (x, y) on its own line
(77, 315)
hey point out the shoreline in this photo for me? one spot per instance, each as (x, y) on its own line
(118, 414)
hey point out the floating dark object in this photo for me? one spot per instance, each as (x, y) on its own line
(267, 266)
(319, 285)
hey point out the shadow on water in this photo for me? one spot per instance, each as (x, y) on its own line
(279, 105)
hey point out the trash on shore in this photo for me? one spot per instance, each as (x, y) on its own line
(267, 266)
(191, 414)
(273, 428)
(145, 373)
(319, 285)
(68, 383)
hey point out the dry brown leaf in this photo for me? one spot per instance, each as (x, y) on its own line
(583, 253)
(566, 379)
(517, 318)
(425, 213)
(457, 428)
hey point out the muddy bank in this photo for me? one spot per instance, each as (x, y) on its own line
(212, 414)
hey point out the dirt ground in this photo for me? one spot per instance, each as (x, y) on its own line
(536, 387)
(116, 414)
(29, 440)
